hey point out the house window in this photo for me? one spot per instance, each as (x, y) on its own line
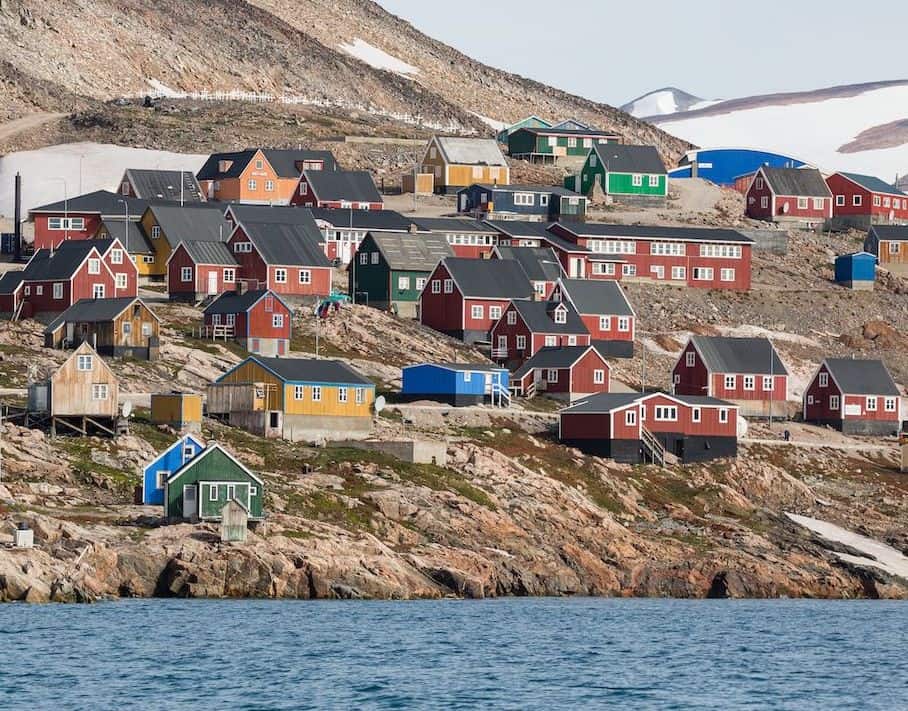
(364, 258)
(99, 391)
(277, 320)
(749, 382)
(213, 492)
(269, 186)
(560, 315)
(551, 341)
(703, 273)
(637, 181)
(449, 286)
(403, 283)
(723, 415)
(342, 395)
(527, 199)
(512, 318)
(436, 286)
(824, 380)
(666, 413)
(810, 400)
(494, 312)
(759, 183)
(66, 223)
(188, 452)
(316, 393)
(889, 404)
(259, 164)
(629, 270)
(572, 142)
(654, 181)
(833, 402)
(39, 289)
(477, 311)
(97, 291)
(802, 203)
(521, 343)
(146, 259)
(230, 319)
(58, 290)
(375, 257)
(229, 276)
(161, 478)
(551, 375)
(630, 418)
(840, 200)
(186, 274)
(572, 340)
(85, 363)
(544, 200)
(305, 276)
(624, 323)
(679, 273)
(767, 383)
(94, 266)
(116, 256)
(599, 376)
(251, 184)
(857, 200)
(727, 274)
(658, 271)
(871, 403)
(818, 203)
(764, 202)
(894, 248)
(604, 268)
(671, 249)
(724, 251)
(605, 323)
(120, 279)
(690, 358)
(155, 231)
(280, 276)
(876, 200)
(299, 392)
(695, 414)
(242, 247)
(216, 320)
(730, 382)
(592, 160)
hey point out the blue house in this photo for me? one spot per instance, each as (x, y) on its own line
(856, 271)
(524, 201)
(723, 165)
(156, 472)
(457, 384)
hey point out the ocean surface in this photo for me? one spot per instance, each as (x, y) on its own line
(508, 654)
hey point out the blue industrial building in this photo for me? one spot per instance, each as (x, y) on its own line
(856, 271)
(166, 463)
(723, 165)
(457, 384)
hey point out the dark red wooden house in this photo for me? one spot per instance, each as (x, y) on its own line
(199, 270)
(258, 320)
(353, 189)
(568, 373)
(526, 327)
(860, 201)
(604, 310)
(79, 217)
(797, 196)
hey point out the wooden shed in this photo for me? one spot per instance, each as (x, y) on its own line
(125, 328)
(234, 522)
(182, 411)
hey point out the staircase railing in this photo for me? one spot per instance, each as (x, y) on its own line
(500, 395)
(652, 447)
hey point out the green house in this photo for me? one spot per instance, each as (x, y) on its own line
(201, 488)
(622, 171)
(389, 269)
(546, 145)
(529, 122)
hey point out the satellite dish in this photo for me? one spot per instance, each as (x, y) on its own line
(380, 403)
(126, 409)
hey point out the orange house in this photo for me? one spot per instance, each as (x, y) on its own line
(259, 176)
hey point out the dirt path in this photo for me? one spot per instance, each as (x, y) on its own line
(12, 128)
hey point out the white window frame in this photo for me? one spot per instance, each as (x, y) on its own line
(551, 375)
(280, 275)
(834, 402)
(550, 341)
(803, 203)
(242, 247)
(750, 382)
(730, 382)
(420, 283)
(85, 363)
(299, 392)
(342, 395)
(624, 324)
(890, 404)
(359, 395)
(857, 200)
(560, 315)
(723, 415)
(316, 393)
(521, 342)
(116, 256)
(665, 413)
(690, 359)
(768, 384)
(477, 312)
(436, 286)
(277, 320)
(605, 323)
(305, 276)
(495, 313)
(121, 281)
(637, 180)
(630, 418)
(94, 266)
(449, 286)
(872, 403)
(726, 274)
(599, 376)
(252, 185)
(654, 181)
(229, 275)
(185, 274)
(840, 201)
(99, 392)
(512, 318)
(58, 290)
(824, 380)
(695, 415)
(679, 273)
(403, 283)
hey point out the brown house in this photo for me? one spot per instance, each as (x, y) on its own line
(80, 396)
(458, 163)
(123, 328)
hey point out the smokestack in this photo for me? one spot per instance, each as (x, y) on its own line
(17, 219)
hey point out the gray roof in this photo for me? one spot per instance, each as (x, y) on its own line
(597, 296)
(520, 228)
(288, 244)
(476, 367)
(686, 234)
(539, 263)
(411, 251)
(286, 163)
(566, 245)
(873, 184)
(130, 234)
(629, 159)
(723, 354)
(387, 220)
(101, 202)
(470, 151)
(490, 278)
(10, 281)
(890, 233)
(563, 357)
(457, 225)
(796, 181)
(537, 189)
(165, 185)
(559, 130)
(861, 377)
(539, 317)
(602, 403)
(210, 252)
(193, 222)
(94, 311)
(231, 302)
(312, 370)
(336, 185)
(62, 262)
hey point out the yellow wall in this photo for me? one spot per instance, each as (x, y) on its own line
(160, 247)
(329, 404)
(176, 408)
(252, 372)
(463, 175)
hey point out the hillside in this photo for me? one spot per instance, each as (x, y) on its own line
(661, 102)
(322, 53)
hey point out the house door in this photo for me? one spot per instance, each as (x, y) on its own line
(190, 501)
(212, 283)
(97, 291)
(463, 202)
(576, 267)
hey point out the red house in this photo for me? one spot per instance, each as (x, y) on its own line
(568, 373)
(352, 189)
(792, 195)
(198, 270)
(260, 321)
(343, 230)
(746, 371)
(286, 257)
(540, 264)
(52, 281)
(854, 396)
(126, 273)
(680, 256)
(635, 428)
(604, 310)
(80, 217)
(862, 200)
(526, 327)
(464, 298)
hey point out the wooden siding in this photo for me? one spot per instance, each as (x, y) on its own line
(71, 388)
(251, 372)
(330, 404)
(443, 312)
(210, 468)
(45, 238)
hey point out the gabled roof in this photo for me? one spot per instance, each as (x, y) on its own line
(307, 370)
(489, 278)
(209, 253)
(723, 354)
(411, 251)
(62, 263)
(187, 437)
(337, 185)
(685, 234)
(520, 228)
(10, 281)
(861, 377)
(539, 263)
(100, 202)
(164, 185)
(462, 367)
(231, 302)
(268, 213)
(130, 234)
(539, 317)
(470, 151)
(458, 225)
(95, 311)
(602, 403)
(873, 184)
(215, 447)
(621, 158)
(565, 245)
(387, 220)
(563, 357)
(890, 233)
(190, 223)
(287, 244)
(796, 181)
(573, 123)
(560, 130)
(286, 163)
(597, 297)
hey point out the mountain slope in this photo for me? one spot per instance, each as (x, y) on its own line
(669, 100)
(314, 49)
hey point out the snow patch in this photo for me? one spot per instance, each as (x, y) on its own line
(748, 331)
(52, 173)
(492, 123)
(161, 89)
(378, 58)
(878, 555)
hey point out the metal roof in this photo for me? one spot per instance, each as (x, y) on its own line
(191, 223)
(490, 278)
(231, 302)
(873, 184)
(796, 181)
(269, 213)
(476, 367)
(95, 311)
(563, 357)
(686, 234)
(539, 316)
(562, 131)
(470, 151)
(339, 218)
(526, 188)
(890, 233)
(283, 244)
(411, 251)
(539, 263)
(629, 159)
(130, 234)
(62, 262)
(336, 185)
(309, 370)
(209, 252)
(459, 225)
(165, 185)
(597, 296)
(602, 403)
(286, 163)
(861, 377)
(100, 202)
(752, 356)
(520, 228)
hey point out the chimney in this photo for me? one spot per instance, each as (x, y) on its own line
(17, 220)
(242, 286)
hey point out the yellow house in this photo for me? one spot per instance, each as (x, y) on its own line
(294, 398)
(165, 226)
(459, 162)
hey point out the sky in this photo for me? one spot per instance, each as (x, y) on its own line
(616, 51)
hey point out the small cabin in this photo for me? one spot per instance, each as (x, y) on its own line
(182, 411)
(457, 384)
(158, 470)
(122, 328)
(856, 271)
